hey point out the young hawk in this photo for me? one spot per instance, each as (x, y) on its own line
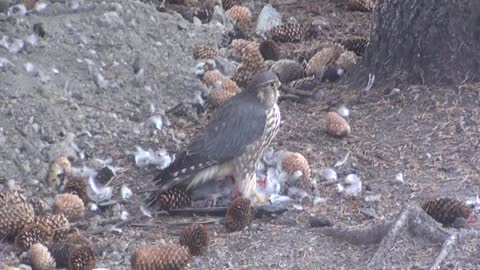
(230, 144)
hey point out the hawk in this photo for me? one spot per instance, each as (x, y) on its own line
(230, 144)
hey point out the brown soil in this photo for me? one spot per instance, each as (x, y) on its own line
(431, 136)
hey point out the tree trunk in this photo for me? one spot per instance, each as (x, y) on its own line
(428, 42)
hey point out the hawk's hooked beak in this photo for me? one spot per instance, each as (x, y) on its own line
(277, 84)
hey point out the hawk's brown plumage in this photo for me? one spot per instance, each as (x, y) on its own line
(231, 143)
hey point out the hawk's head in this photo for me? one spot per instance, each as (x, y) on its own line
(265, 86)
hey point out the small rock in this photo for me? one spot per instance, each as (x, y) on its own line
(4, 4)
(320, 221)
(24, 267)
(269, 18)
(39, 30)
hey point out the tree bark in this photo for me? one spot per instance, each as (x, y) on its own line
(431, 42)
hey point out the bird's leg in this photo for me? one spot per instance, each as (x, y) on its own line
(262, 198)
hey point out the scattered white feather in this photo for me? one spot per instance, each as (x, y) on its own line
(4, 42)
(96, 193)
(474, 201)
(319, 200)
(149, 157)
(5, 62)
(124, 215)
(199, 69)
(296, 175)
(197, 98)
(399, 178)
(343, 111)
(126, 192)
(75, 5)
(329, 174)
(340, 163)
(373, 198)
(32, 39)
(145, 211)
(297, 207)
(154, 121)
(93, 207)
(11, 184)
(276, 199)
(354, 183)
(100, 81)
(40, 6)
(340, 188)
(105, 162)
(272, 177)
(17, 10)
(295, 192)
(84, 172)
(16, 46)
(30, 68)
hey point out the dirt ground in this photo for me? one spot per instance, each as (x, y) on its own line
(429, 135)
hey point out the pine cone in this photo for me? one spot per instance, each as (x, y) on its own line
(56, 226)
(252, 62)
(238, 32)
(70, 205)
(288, 32)
(204, 52)
(361, 5)
(41, 258)
(215, 79)
(174, 199)
(151, 257)
(10, 267)
(347, 60)
(240, 15)
(293, 162)
(195, 237)
(73, 255)
(205, 12)
(77, 186)
(218, 97)
(29, 235)
(318, 63)
(40, 206)
(57, 171)
(240, 214)
(269, 50)
(356, 44)
(104, 176)
(243, 74)
(447, 210)
(212, 78)
(251, 55)
(336, 125)
(288, 70)
(228, 4)
(237, 46)
(306, 84)
(15, 212)
(230, 86)
(82, 258)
